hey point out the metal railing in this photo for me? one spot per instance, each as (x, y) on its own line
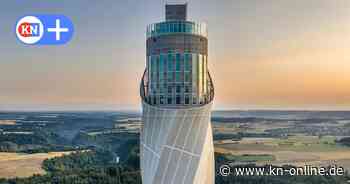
(208, 97)
(171, 27)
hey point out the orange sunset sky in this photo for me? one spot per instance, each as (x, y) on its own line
(262, 55)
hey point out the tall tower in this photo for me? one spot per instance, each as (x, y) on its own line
(177, 94)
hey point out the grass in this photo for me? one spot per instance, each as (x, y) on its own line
(294, 143)
(7, 122)
(24, 165)
(311, 143)
(250, 158)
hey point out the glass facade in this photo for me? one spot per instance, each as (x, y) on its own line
(176, 65)
(177, 78)
(170, 27)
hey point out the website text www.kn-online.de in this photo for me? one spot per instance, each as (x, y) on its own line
(269, 170)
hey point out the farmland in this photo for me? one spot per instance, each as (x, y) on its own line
(295, 151)
(281, 141)
(254, 138)
(24, 165)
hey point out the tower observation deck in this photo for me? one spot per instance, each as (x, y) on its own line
(177, 62)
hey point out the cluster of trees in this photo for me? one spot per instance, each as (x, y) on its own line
(119, 143)
(85, 167)
(37, 142)
(238, 136)
(21, 139)
(345, 141)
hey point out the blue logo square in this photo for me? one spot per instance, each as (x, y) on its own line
(34, 29)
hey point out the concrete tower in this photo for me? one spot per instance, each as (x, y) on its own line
(177, 94)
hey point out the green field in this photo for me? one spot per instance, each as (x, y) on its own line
(250, 158)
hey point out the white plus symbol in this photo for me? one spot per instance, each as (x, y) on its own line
(58, 29)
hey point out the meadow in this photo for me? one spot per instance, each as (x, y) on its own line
(24, 165)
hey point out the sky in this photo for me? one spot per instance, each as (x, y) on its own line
(262, 54)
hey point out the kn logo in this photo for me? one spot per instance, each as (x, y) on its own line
(29, 30)
(44, 29)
